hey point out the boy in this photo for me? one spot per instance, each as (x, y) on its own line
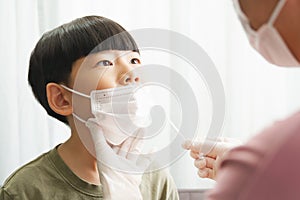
(69, 171)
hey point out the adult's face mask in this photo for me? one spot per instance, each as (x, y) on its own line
(119, 111)
(267, 40)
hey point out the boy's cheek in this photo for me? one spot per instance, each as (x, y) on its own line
(107, 81)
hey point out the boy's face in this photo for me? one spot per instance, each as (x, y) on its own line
(98, 71)
(105, 69)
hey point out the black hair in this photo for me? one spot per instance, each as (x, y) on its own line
(56, 51)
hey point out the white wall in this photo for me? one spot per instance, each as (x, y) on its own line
(257, 93)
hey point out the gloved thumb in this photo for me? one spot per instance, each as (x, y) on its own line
(187, 144)
(144, 161)
(214, 147)
(101, 146)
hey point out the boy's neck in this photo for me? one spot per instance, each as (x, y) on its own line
(79, 159)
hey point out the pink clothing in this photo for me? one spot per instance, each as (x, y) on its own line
(266, 168)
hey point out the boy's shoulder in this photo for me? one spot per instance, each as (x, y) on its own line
(159, 184)
(28, 177)
(160, 175)
(29, 170)
(47, 177)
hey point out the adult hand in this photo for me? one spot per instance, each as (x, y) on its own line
(208, 163)
(120, 167)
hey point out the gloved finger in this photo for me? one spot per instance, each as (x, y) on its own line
(232, 141)
(202, 173)
(138, 142)
(133, 156)
(210, 162)
(103, 150)
(133, 144)
(97, 134)
(125, 147)
(215, 147)
(210, 148)
(206, 173)
(99, 116)
(194, 154)
(200, 163)
(136, 145)
(144, 160)
(198, 146)
(187, 144)
(95, 130)
(116, 149)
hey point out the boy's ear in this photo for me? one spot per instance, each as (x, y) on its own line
(59, 99)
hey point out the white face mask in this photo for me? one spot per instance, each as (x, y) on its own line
(119, 111)
(267, 40)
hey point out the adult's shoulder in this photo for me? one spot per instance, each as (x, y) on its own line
(257, 162)
(278, 175)
(265, 143)
(277, 134)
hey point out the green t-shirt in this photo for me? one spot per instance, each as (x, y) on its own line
(48, 177)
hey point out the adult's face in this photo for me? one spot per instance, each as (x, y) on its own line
(287, 24)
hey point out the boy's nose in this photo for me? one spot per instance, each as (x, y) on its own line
(128, 78)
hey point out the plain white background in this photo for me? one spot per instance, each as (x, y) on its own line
(257, 93)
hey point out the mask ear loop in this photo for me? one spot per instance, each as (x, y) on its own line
(244, 19)
(75, 92)
(80, 94)
(271, 20)
(276, 11)
(78, 118)
(240, 13)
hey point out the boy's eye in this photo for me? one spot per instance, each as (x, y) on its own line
(104, 63)
(135, 61)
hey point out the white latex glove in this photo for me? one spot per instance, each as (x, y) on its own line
(208, 163)
(116, 184)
